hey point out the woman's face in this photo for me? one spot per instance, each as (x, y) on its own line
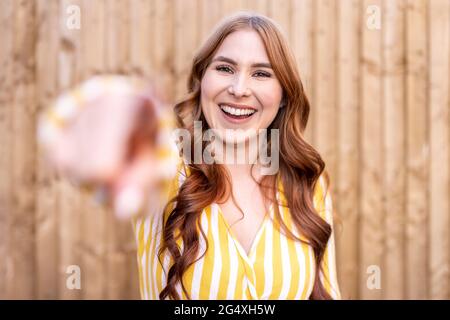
(239, 89)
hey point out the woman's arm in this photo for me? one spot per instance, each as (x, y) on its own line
(112, 136)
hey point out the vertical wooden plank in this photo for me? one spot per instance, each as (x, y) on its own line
(143, 42)
(141, 36)
(348, 95)
(394, 147)
(325, 128)
(69, 197)
(163, 56)
(418, 151)
(69, 45)
(69, 235)
(211, 13)
(281, 11)
(371, 174)
(448, 178)
(118, 233)
(301, 42)
(94, 31)
(21, 280)
(117, 36)
(439, 28)
(46, 227)
(186, 42)
(6, 86)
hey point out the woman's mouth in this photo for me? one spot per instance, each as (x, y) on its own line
(236, 114)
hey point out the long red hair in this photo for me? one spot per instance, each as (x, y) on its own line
(300, 164)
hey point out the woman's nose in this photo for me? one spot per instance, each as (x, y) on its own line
(239, 87)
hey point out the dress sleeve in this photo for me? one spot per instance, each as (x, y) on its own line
(328, 272)
(65, 108)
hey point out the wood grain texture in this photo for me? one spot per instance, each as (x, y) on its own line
(6, 84)
(417, 151)
(394, 146)
(439, 27)
(372, 235)
(20, 281)
(349, 114)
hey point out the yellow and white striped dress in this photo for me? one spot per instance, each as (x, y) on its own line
(275, 268)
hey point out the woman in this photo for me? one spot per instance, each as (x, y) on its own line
(220, 229)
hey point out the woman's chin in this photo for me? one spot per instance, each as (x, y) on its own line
(235, 135)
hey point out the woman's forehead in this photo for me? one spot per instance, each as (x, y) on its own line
(243, 47)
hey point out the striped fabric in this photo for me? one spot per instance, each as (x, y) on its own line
(275, 268)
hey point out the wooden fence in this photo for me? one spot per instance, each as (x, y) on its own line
(378, 77)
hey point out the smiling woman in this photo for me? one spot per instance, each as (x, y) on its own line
(220, 230)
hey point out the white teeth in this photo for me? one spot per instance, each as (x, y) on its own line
(235, 111)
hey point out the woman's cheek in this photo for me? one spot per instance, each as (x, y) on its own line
(270, 99)
(205, 86)
(213, 81)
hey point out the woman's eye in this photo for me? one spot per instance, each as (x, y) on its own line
(227, 69)
(262, 74)
(224, 69)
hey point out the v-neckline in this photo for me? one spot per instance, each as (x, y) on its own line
(248, 255)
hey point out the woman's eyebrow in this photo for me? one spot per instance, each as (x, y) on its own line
(231, 61)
